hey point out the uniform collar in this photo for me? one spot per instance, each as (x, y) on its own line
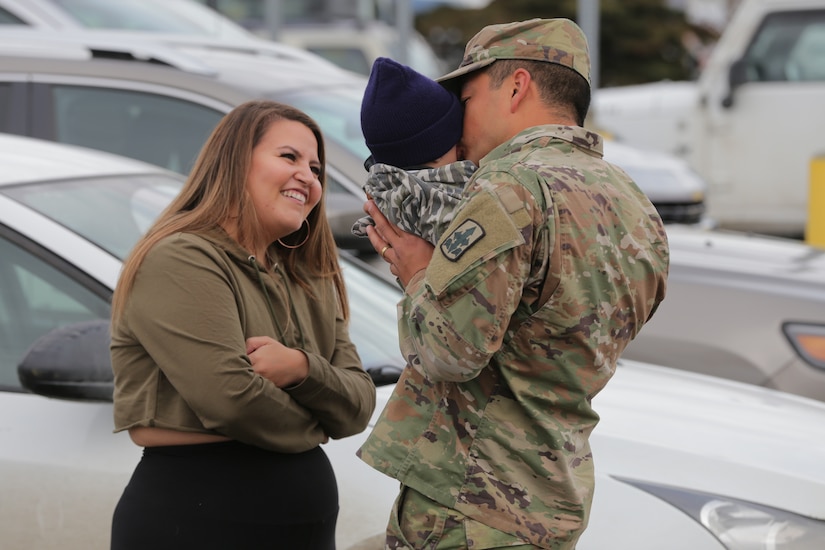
(545, 135)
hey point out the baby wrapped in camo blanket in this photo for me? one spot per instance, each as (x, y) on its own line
(420, 201)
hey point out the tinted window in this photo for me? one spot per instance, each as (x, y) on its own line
(5, 105)
(7, 18)
(789, 46)
(164, 131)
(36, 297)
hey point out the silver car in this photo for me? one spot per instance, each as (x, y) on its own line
(740, 306)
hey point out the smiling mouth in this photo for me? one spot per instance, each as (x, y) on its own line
(295, 195)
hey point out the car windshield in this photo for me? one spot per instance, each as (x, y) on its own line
(113, 212)
(168, 16)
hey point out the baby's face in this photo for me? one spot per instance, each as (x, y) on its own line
(449, 157)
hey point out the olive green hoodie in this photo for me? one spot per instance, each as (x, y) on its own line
(179, 352)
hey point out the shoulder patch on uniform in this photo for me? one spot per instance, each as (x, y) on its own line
(462, 239)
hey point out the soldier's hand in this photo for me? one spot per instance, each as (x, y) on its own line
(406, 253)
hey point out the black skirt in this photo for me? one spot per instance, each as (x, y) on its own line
(227, 496)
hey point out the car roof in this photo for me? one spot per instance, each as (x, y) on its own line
(59, 42)
(28, 160)
(251, 66)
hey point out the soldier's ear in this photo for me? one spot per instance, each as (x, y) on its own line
(520, 83)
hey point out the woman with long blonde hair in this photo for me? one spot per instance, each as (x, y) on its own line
(230, 349)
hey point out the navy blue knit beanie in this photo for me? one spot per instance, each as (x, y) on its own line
(408, 119)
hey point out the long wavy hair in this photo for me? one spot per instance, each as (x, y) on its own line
(216, 191)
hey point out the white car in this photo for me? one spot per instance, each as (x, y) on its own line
(683, 461)
(68, 216)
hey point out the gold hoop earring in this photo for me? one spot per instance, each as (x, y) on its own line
(282, 243)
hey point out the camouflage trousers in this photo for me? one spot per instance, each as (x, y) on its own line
(419, 523)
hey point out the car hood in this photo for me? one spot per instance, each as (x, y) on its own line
(662, 177)
(679, 428)
(27, 159)
(747, 259)
(667, 98)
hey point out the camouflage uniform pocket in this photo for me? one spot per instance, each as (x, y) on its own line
(419, 523)
(483, 537)
(416, 522)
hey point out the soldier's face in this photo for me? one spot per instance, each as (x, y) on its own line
(485, 114)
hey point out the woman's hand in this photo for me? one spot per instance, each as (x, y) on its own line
(277, 363)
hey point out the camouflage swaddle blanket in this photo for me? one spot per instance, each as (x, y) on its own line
(418, 201)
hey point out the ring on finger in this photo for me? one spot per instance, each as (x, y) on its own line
(384, 250)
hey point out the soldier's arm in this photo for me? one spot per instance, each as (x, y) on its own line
(455, 314)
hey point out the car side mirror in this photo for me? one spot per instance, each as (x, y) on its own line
(737, 75)
(384, 375)
(70, 362)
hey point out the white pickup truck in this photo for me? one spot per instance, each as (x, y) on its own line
(752, 123)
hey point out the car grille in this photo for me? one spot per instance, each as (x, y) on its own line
(681, 212)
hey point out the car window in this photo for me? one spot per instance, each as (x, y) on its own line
(806, 61)
(373, 321)
(111, 212)
(252, 13)
(7, 18)
(152, 15)
(420, 55)
(36, 297)
(337, 112)
(352, 59)
(789, 46)
(5, 107)
(164, 131)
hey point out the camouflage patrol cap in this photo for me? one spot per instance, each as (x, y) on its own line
(553, 40)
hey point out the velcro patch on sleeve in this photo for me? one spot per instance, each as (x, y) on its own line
(482, 229)
(461, 239)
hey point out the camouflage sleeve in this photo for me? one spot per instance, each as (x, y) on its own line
(454, 317)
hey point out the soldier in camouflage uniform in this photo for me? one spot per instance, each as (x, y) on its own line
(516, 318)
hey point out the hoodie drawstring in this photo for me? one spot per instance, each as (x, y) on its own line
(291, 309)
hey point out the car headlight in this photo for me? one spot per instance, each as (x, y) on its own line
(741, 525)
(808, 340)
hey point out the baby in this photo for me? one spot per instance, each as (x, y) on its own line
(412, 127)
